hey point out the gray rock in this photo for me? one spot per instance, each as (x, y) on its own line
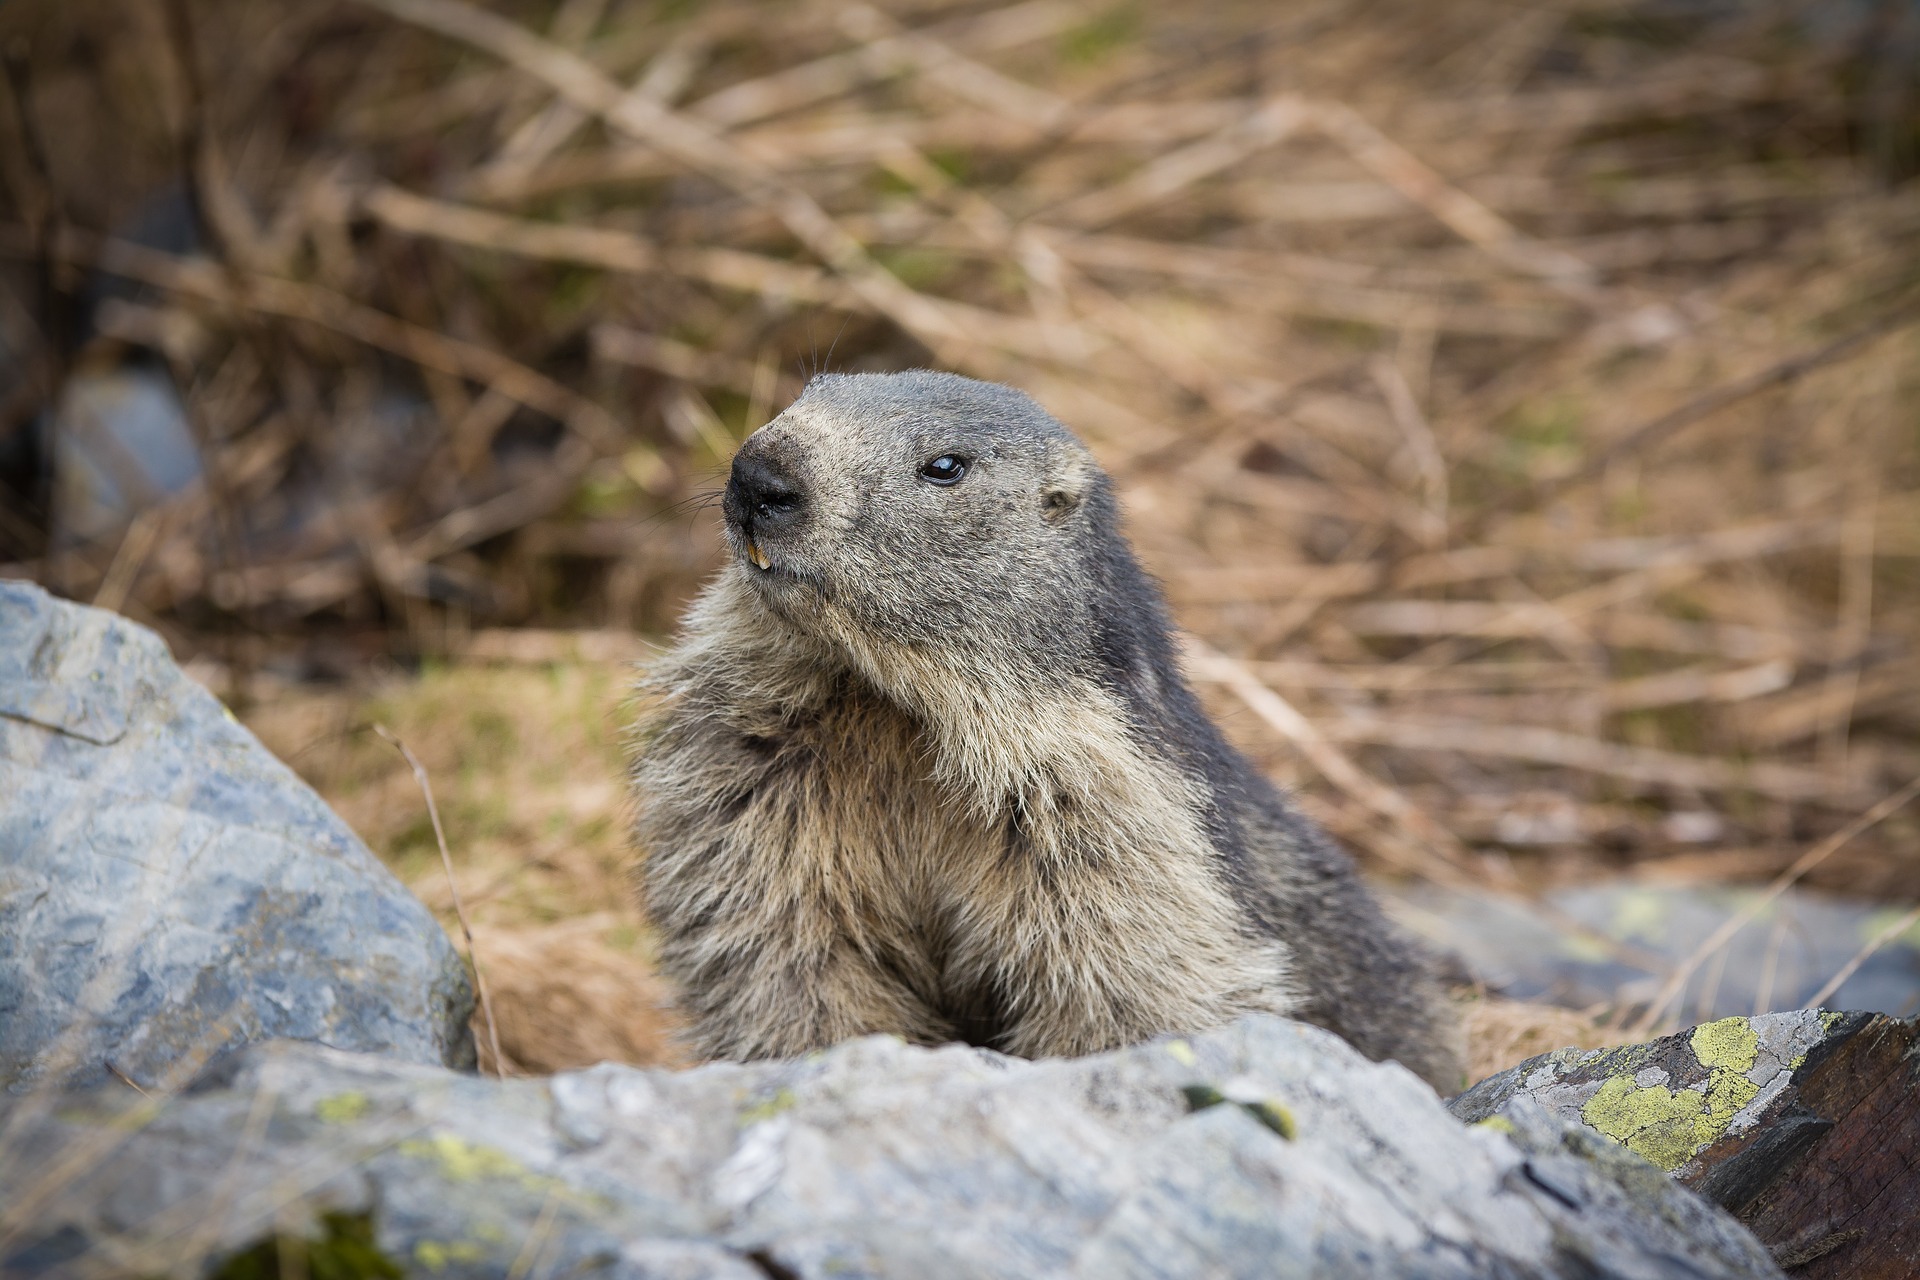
(1778, 960)
(121, 442)
(169, 890)
(871, 1159)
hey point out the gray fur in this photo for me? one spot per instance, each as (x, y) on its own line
(935, 771)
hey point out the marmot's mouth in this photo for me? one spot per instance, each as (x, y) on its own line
(755, 554)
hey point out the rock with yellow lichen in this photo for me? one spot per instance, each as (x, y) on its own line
(1266, 1148)
(1805, 1125)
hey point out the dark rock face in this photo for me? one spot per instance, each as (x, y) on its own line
(170, 891)
(1805, 1125)
(1268, 1148)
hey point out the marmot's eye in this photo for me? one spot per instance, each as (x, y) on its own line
(945, 469)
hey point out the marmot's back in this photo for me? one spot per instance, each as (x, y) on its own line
(923, 762)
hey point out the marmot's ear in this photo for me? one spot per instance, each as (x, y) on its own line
(1068, 489)
(1068, 486)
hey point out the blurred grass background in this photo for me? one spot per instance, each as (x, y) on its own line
(1516, 399)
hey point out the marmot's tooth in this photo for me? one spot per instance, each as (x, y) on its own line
(755, 554)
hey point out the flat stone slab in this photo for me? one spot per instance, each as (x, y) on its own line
(1268, 1148)
(1805, 1125)
(169, 890)
(1778, 960)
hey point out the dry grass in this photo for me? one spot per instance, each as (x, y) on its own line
(526, 769)
(1516, 400)
(574, 993)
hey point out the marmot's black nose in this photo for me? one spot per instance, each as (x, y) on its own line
(761, 494)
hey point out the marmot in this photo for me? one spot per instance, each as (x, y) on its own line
(923, 762)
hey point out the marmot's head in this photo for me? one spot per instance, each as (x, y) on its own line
(920, 508)
(962, 551)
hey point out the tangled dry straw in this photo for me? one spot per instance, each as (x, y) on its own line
(1516, 400)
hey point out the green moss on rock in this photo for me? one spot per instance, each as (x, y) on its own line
(344, 1251)
(342, 1108)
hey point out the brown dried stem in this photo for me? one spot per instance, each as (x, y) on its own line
(453, 888)
(1677, 980)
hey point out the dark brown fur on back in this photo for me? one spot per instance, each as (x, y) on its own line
(923, 762)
